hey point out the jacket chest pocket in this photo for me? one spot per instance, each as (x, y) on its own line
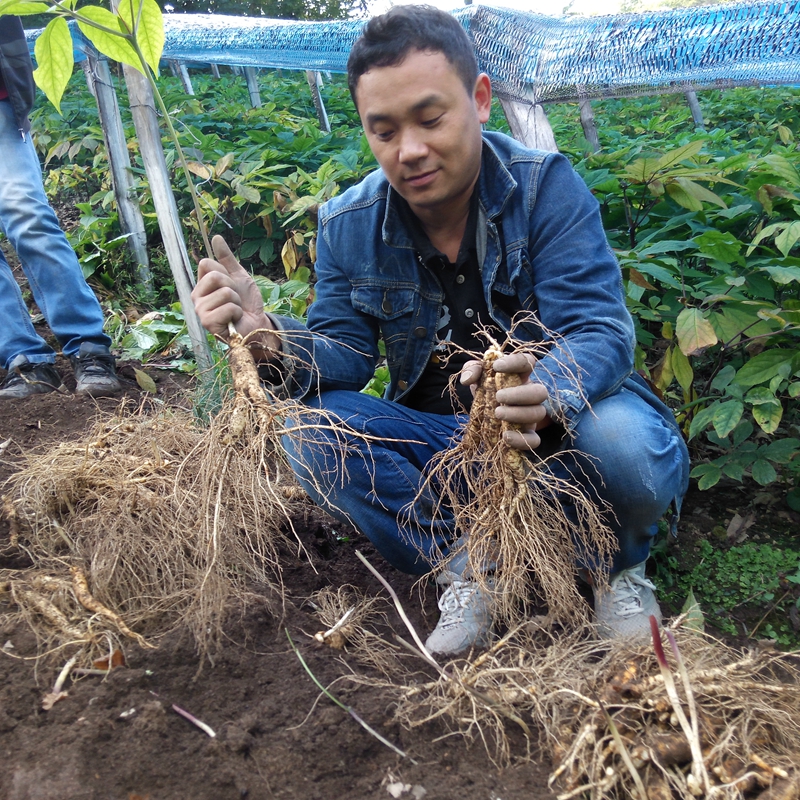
(394, 308)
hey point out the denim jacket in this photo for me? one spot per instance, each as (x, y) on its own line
(542, 249)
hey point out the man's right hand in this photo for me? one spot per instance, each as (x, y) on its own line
(226, 293)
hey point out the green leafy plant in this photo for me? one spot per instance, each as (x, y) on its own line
(159, 338)
(745, 589)
(711, 278)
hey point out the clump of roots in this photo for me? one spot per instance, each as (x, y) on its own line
(168, 523)
(354, 624)
(519, 542)
(605, 712)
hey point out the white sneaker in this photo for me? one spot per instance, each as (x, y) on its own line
(625, 608)
(466, 618)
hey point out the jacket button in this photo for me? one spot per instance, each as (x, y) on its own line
(386, 305)
(460, 279)
(469, 313)
(420, 332)
(402, 385)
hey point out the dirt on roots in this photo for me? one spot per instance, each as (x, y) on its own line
(117, 736)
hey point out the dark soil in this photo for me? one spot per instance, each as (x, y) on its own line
(119, 738)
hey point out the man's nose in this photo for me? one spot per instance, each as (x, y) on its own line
(412, 146)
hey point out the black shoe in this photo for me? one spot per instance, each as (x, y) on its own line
(94, 371)
(25, 379)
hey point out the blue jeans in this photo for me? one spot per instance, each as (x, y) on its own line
(54, 274)
(634, 459)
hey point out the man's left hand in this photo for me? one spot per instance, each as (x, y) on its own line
(521, 405)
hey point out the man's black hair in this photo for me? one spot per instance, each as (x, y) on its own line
(387, 39)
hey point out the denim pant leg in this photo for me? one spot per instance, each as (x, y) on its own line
(50, 264)
(372, 484)
(636, 461)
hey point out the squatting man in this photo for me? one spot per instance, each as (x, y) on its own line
(459, 229)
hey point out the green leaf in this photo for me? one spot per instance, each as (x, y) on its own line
(727, 416)
(246, 192)
(694, 619)
(781, 451)
(763, 367)
(113, 45)
(768, 417)
(763, 472)
(146, 383)
(150, 29)
(783, 168)
(735, 320)
(54, 56)
(723, 377)
(794, 390)
(680, 154)
(683, 198)
(641, 170)
(697, 192)
(734, 470)
(666, 246)
(788, 238)
(722, 246)
(707, 475)
(702, 419)
(695, 333)
(682, 369)
(783, 275)
(760, 395)
(742, 432)
(21, 8)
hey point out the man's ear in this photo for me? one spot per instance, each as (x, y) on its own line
(482, 94)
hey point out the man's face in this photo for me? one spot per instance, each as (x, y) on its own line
(424, 128)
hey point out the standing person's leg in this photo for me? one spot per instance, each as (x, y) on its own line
(626, 453)
(17, 334)
(54, 274)
(371, 479)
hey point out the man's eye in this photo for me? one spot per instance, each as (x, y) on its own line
(429, 123)
(383, 136)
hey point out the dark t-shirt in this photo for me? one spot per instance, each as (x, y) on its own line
(464, 313)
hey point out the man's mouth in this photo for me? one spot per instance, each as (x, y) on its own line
(422, 178)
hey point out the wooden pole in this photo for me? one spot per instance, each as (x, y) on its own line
(588, 124)
(251, 78)
(529, 125)
(694, 107)
(143, 108)
(215, 71)
(183, 72)
(314, 83)
(98, 76)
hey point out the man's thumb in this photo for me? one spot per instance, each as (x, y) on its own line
(223, 254)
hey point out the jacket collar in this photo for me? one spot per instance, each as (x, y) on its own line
(495, 187)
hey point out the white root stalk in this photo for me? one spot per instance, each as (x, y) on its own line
(186, 715)
(58, 693)
(323, 636)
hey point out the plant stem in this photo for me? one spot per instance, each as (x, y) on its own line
(344, 707)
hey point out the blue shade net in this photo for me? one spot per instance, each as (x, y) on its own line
(536, 58)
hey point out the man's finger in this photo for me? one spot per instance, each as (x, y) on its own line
(528, 394)
(224, 254)
(521, 363)
(522, 441)
(471, 372)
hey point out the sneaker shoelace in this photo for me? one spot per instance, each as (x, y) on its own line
(454, 600)
(96, 366)
(627, 599)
